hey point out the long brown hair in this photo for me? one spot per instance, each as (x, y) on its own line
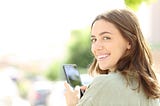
(138, 60)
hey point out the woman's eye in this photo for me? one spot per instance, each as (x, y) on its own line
(106, 38)
(93, 40)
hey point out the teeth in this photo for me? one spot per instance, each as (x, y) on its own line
(102, 56)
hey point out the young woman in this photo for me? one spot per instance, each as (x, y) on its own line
(122, 65)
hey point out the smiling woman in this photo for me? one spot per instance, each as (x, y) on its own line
(122, 66)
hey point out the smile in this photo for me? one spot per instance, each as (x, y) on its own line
(102, 57)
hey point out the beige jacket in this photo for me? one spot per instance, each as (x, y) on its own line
(112, 90)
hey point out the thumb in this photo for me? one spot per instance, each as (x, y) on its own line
(77, 91)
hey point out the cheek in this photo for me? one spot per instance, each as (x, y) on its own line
(92, 49)
(121, 47)
(120, 52)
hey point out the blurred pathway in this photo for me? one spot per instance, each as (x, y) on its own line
(57, 96)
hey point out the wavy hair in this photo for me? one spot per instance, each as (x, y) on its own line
(137, 62)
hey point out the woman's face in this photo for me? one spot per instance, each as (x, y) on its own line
(108, 45)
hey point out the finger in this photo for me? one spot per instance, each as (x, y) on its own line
(83, 88)
(66, 85)
(77, 89)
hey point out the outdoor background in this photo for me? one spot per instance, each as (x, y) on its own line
(38, 36)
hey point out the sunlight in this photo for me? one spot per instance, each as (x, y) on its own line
(36, 29)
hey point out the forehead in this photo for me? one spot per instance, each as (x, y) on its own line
(103, 25)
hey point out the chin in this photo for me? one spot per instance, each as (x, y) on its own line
(103, 68)
(106, 67)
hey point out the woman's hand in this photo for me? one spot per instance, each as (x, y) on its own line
(72, 95)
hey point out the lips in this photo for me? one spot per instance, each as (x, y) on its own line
(102, 57)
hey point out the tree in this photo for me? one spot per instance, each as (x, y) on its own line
(135, 4)
(79, 48)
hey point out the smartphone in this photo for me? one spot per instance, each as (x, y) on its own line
(72, 75)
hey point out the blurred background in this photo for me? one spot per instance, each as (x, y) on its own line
(38, 36)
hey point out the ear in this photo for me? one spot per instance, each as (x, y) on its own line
(128, 45)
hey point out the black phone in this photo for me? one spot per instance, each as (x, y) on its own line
(72, 75)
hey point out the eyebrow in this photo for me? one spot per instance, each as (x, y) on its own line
(102, 33)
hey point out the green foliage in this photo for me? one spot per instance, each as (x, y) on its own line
(135, 4)
(79, 48)
(23, 89)
(53, 71)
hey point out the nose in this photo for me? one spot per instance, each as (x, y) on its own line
(98, 45)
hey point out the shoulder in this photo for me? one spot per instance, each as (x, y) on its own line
(110, 82)
(108, 78)
(106, 89)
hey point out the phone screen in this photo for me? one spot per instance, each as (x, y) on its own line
(72, 74)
